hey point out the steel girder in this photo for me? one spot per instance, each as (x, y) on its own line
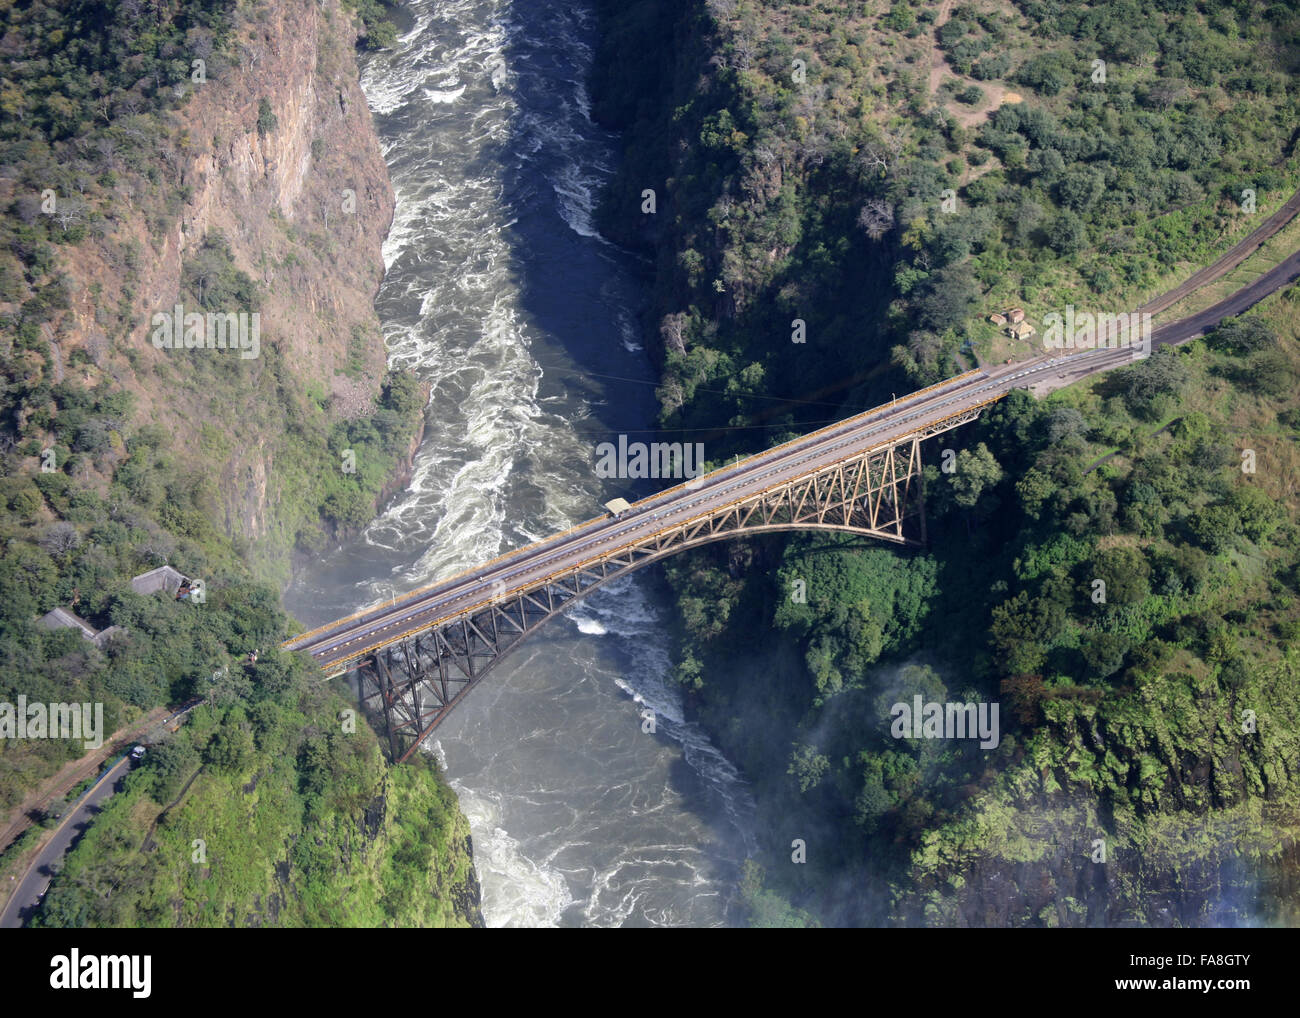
(419, 678)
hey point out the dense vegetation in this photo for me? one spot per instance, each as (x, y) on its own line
(1121, 720)
(271, 806)
(121, 504)
(800, 163)
(74, 537)
(94, 491)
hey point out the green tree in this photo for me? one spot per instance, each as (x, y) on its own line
(1080, 186)
(947, 298)
(767, 909)
(1257, 514)
(1023, 629)
(1214, 526)
(1242, 336)
(266, 118)
(171, 764)
(1154, 384)
(231, 748)
(1104, 653)
(977, 471)
(1125, 572)
(1068, 234)
(1033, 489)
(807, 766)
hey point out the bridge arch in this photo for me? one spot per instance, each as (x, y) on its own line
(418, 678)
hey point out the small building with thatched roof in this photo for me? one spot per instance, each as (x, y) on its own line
(163, 578)
(66, 618)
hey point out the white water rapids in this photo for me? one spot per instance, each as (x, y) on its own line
(501, 293)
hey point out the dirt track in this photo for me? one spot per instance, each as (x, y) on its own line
(72, 774)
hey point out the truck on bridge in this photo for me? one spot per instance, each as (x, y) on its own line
(616, 507)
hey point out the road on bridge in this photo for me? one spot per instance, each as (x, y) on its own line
(339, 645)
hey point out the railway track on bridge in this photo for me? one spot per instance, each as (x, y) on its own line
(419, 654)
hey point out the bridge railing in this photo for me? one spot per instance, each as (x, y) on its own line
(307, 637)
(604, 555)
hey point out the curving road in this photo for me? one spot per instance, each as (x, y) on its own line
(1233, 257)
(1187, 328)
(24, 902)
(338, 645)
(1243, 300)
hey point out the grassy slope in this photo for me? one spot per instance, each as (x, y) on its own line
(305, 826)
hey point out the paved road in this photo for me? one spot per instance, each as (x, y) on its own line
(31, 888)
(1234, 304)
(73, 774)
(1182, 330)
(347, 640)
(1233, 257)
(338, 645)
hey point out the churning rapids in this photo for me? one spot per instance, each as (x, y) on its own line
(501, 293)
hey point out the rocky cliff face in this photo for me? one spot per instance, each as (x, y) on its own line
(276, 153)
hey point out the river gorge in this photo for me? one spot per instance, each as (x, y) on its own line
(503, 296)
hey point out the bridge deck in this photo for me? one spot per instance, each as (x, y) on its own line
(338, 644)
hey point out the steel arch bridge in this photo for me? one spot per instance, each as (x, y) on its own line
(417, 674)
(420, 654)
(417, 680)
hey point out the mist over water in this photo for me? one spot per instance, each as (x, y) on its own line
(501, 293)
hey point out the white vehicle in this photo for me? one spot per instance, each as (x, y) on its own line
(616, 507)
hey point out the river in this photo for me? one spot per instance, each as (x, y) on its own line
(501, 293)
